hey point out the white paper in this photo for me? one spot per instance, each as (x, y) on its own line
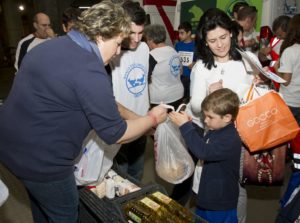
(267, 74)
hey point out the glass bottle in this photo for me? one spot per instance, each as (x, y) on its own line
(172, 206)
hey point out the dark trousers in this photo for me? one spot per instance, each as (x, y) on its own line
(186, 85)
(54, 202)
(130, 158)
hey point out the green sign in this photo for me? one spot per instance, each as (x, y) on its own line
(227, 6)
(192, 10)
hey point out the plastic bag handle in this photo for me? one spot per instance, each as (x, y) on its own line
(251, 92)
(172, 107)
(167, 106)
(180, 107)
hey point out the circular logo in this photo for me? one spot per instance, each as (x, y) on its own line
(136, 79)
(175, 65)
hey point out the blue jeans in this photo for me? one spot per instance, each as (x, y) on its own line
(228, 216)
(130, 158)
(54, 202)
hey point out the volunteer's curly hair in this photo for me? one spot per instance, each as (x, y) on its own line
(104, 19)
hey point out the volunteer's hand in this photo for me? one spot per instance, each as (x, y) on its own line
(160, 113)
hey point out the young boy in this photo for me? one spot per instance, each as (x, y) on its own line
(220, 149)
(185, 47)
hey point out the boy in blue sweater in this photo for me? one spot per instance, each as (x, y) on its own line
(186, 47)
(220, 149)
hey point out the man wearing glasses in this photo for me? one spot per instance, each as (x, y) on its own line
(43, 32)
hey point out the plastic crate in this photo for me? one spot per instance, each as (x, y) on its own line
(93, 209)
(118, 202)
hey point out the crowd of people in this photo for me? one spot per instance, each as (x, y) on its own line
(111, 71)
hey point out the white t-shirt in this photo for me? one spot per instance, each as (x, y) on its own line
(130, 78)
(289, 63)
(236, 75)
(34, 43)
(251, 35)
(166, 85)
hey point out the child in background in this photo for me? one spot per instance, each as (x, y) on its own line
(247, 17)
(237, 7)
(220, 149)
(271, 52)
(185, 47)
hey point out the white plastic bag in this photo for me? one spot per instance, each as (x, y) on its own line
(173, 163)
(3, 193)
(95, 161)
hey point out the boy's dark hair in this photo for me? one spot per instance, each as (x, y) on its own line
(281, 22)
(222, 102)
(247, 12)
(70, 15)
(237, 6)
(186, 26)
(135, 11)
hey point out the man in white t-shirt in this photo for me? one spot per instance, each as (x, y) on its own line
(43, 32)
(129, 78)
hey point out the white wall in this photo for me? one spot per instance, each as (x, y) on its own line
(274, 8)
(155, 18)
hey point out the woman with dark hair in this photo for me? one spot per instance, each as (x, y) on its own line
(289, 70)
(219, 65)
(219, 62)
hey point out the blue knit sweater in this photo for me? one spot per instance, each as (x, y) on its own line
(221, 151)
(60, 93)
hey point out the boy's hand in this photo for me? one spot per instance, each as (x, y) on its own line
(179, 118)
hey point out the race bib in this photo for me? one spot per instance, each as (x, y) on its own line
(186, 58)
